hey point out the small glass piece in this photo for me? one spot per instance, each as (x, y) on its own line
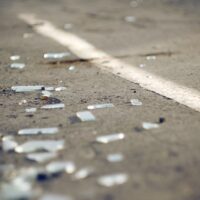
(85, 116)
(110, 138)
(41, 157)
(31, 110)
(54, 106)
(37, 131)
(116, 157)
(17, 65)
(136, 102)
(56, 55)
(83, 173)
(14, 57)
(99, 106)
(149, 125)
(40, 145)
(113, 179)
(55, 197)
(61, 166)
(8, 143)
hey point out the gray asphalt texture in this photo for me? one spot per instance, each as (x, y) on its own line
(162, 163)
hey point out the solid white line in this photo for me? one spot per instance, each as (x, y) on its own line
(184, 95)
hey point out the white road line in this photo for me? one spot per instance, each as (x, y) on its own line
(183, 95)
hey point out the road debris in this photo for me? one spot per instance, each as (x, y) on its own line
(99, 106)
(58, 89)
(46, 95)
(53, 106)
(37, 131)
(136, 102)
(55, 197)
(30, 88)
(116, 157)
(71, 68)
(31, 110)
(83, 173)
(105, 139)
(8, 143)
(149, 125)
(56, 55)
(85, 116)
(40, 145)
(14, 57)
(17, 65)
(61, 166)
(41, 157)
(23, 101)
(130, 19)
(151, 57)
(113, 179)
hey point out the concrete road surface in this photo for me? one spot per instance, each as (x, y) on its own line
(156, 37)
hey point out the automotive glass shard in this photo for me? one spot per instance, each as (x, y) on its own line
(53, 106)
(85, 116)
(37, 131)
(110, 138)
(99, 106)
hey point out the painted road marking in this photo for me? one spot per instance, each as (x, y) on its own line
(84, 50)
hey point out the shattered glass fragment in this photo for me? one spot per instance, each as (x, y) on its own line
(151, 57)
(36, 131)
(142, 65)
(56, 55)
(41, 157)
(55, 197)
(17, 65)
(27, 88)
(130, 19)
(61, 166)
(149, 125)
(24, 101)
(8, 143)
(46, 94)
(83, 173)
(68, 26)
(136, 102)
(110, 138)
(14, 57)
(31, 110)
(85, 116)
(53, 106)
(99, 106)
(71, 68)
(113, 179)
(117, 157)
(58, 89)
(40, 145)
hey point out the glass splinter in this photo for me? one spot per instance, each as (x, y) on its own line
(99, 106)
(36, 131)
(110, 138)
(53, 106)
(85, 116)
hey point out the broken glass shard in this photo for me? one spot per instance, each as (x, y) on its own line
(83, 173)
(60, 166)
(46, 94)
(130, 19)
(151, 57)
(41, 157)
(68, 26)
(30, 88)
(110, 138)
(58, 89)
(14, 57)
(36, 131)
(85, 116)
(31, 110)
(113, 179)
(56, 55)
(117, 157)
(40, 145)
(149, 125)
(8, 143)
(55, 197)
(71, 68)
(17, 65)
(53, 106)
(136, 102)
(99, 106)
